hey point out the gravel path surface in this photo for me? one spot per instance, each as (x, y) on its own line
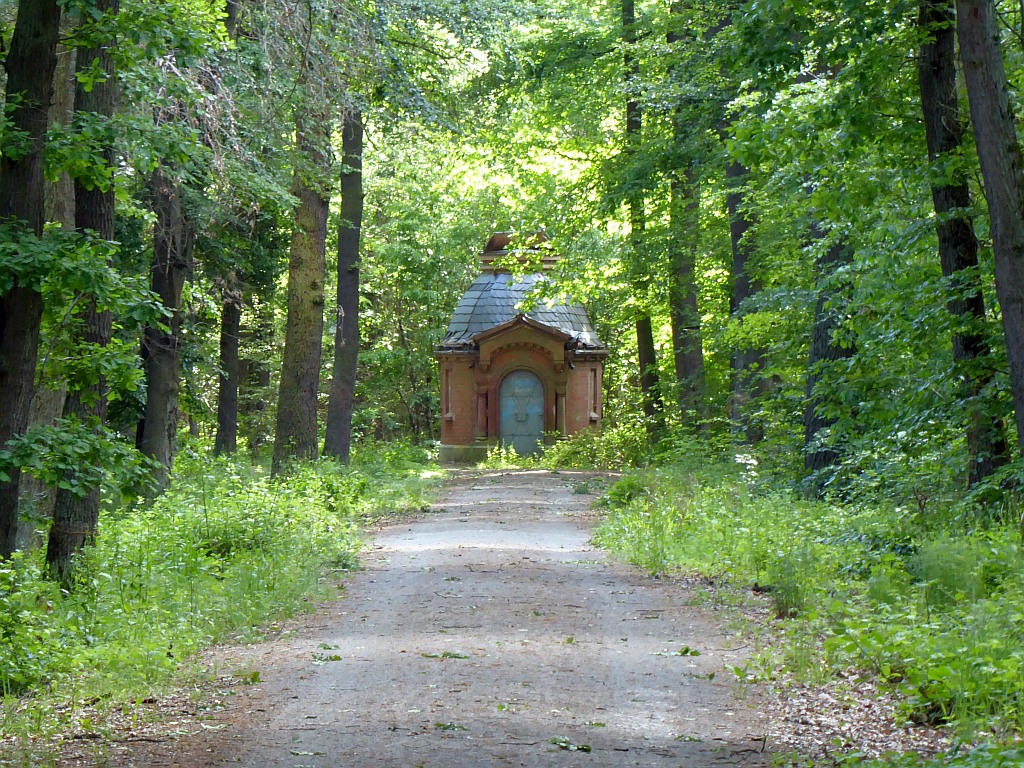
(489, 632)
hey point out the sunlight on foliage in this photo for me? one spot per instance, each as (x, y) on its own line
(936, 617)
(223, 552)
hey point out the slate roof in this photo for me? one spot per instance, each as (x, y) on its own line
(493, 299)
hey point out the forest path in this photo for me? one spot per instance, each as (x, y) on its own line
(476, 635)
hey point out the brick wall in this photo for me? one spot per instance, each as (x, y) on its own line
(583, 397)
(463, 379)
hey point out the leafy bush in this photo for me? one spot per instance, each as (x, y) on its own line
(31, 641)
(506, 457)
(935, 613)
(616, 446)
(225, 550)
(984, 756)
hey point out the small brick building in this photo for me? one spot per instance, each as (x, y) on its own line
(511, 377)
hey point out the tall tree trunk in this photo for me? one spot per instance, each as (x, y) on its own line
(231, 18)
(747, 362)
(820, 452)
(226, 441)
(35, 497)
(1000, 159)
(30, 65)
(60, 195)
(958, 246)
(648, 361)
(254, 375)
(684, 239)
(688, 355)
(338, 440)
(229, 376)
(173, 241)
(646, 352)
(295, 435)
(75, 517)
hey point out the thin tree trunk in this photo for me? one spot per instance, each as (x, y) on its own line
(958, 247)
(254, 377)
(648, 361)
(1001, 165)
(688, 355)
(747, 362)
(338, 439)
(60, 196)
(231, 18)
(75, 517)
(296, 433)
(646, 352)
(684, 228)
(229, 376)
(35, 497)
(30, 65)
(226, 441)
(820, 452)
(173, 241)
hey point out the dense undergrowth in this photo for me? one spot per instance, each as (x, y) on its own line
(927, 600)
(220, 555)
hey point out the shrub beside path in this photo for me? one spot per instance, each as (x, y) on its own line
(487, 632)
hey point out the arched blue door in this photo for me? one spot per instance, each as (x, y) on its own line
(521, 399)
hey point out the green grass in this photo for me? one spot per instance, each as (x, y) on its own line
(220, 555)
(932, 610)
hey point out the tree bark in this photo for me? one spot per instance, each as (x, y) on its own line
(747, 362)
(231, 18)
(684, 228)
(173, 242)
(338, 439)
(60, 195)
(35, 497)
(958, 247)
(226, 441)
(646, 351)
(30, 65)
(825, 349)
(295, 436)
(1000, 158)
(75, 517)
(688, 354)
(255, 376)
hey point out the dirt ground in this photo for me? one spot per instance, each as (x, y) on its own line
(487, 632)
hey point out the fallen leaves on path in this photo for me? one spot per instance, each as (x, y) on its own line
(847, 715)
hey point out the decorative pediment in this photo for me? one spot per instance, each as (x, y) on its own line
(521, 320)
(522, 331)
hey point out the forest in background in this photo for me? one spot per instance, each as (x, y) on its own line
(798, 227)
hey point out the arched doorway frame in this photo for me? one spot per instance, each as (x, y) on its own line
(544, 389)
